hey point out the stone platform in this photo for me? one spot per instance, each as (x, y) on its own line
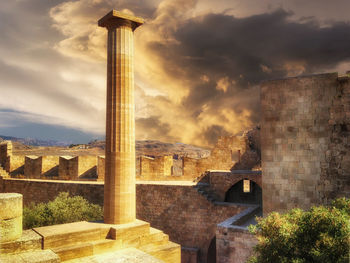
(92, 242)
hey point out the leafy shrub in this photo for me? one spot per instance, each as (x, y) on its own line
(321, 234)
(64, 209)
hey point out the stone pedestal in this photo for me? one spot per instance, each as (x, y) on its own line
(10, 216)
(119, 188)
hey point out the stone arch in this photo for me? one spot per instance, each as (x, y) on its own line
(211, 254)
(236, 179)
(235, 193)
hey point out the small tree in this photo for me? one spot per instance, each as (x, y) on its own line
(321, 234)
(64, 209)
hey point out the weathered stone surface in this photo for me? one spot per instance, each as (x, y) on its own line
(120, 192)
(10, 229)
(30, 240)
(128, 255)
(178, 209)
(305, 141)
(71, 233)
(11, 205)
(10, 216)
(39, 256)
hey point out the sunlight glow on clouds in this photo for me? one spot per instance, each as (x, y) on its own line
(197, 63)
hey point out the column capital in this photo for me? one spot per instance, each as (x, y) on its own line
(115, 19)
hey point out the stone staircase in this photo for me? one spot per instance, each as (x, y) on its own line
(96, 242)
(205, 190)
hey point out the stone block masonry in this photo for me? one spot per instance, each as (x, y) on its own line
(177, 209)
(305, 130)
(155, 168)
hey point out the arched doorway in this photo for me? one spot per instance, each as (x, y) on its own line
(211, 256)
(246, 192)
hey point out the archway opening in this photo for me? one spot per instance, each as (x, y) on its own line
(244, 191)
(211, 256)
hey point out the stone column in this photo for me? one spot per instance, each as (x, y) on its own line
(10, 217)
(119, 188)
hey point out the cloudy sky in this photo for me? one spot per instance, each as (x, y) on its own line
(198, 64)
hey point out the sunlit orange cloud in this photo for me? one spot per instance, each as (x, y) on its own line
(159, 93)
(198, 64)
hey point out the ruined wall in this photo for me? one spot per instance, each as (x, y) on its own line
(221, 182)
(305, 141)
(32, 166)
(40, 166)
(229, 153)
(68, 168)
(49, 166)
(155, 168)
(5, 150)
(223, 156)
(179, 210)
(15, 164)
(234, 245)
(78, 167)
(87, 166)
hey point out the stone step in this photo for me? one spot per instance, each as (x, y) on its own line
(129, 255)
(29, 241)
(106, 245)
(87, 249)
(72, 233)
(74, 251)
(131, 233)
(169, 252)
(38, 256)
(156, 237)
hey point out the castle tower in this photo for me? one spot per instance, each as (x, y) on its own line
(119, 188)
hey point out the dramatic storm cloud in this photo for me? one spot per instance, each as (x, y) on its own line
(198, 64)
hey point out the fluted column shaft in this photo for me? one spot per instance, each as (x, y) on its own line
(120, 192)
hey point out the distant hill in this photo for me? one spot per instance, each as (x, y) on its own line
(96, 147)
(34, 142)
(157, 148)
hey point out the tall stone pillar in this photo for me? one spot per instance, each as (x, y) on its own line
(119, 188)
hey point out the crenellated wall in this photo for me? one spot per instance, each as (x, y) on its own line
(230, 152)
(155, 168)
(77, 167)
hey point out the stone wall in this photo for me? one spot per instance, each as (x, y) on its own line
(32, 166)
(223, 156)
(179, 210)
(87, 166)
(40, 166)
(78, 167)
(15, 164)
(5, 150)
(305, 131)
(68, 168)
(155, 168)
(234, 244)
(229, 153)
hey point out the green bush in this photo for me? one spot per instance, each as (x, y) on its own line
(319, 235)
(64, 209)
